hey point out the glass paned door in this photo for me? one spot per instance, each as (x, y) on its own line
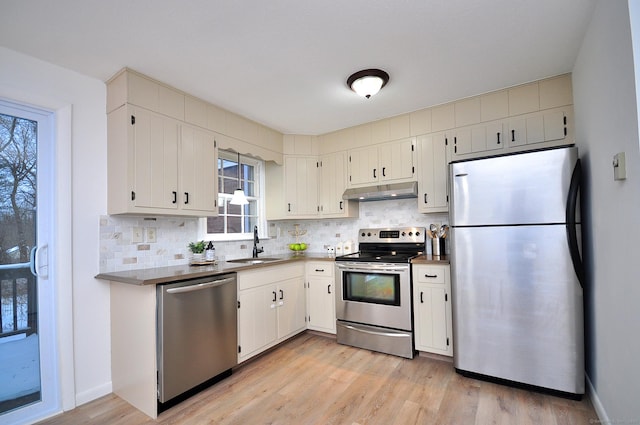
(26, 376)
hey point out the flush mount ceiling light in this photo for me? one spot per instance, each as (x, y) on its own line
(239, 198)
(368, 82)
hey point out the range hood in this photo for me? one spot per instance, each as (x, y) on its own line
(382, 192)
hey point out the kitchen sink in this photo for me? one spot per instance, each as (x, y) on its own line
(254, 260)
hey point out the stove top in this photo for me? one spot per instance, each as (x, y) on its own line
(388, 245)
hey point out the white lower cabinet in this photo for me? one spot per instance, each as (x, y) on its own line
(432, 309)
(271, 307)
(321, 301)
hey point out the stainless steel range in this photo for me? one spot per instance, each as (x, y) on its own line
(373, 290)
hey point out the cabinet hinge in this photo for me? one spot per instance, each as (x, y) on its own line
(133, 120)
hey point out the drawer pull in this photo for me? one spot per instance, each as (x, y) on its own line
(431, 276)
(320, 270)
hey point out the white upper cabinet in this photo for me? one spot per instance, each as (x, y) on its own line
(301, 186)
(158, 166)
(332, 184)
(432, 173)
(386, 163)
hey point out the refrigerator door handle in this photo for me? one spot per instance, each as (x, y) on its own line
(572, 239)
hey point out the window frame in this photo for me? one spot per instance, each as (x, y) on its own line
(259, 188)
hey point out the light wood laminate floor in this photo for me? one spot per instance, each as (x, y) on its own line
(313, 380)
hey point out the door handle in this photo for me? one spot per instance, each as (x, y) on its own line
(38, 268)
(328, 289)
(199, 286)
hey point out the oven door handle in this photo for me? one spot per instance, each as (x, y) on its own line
(371, 268)
(378, 333)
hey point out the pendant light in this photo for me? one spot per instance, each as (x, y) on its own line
(239, 198)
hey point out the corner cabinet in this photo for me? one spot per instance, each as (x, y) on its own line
(386, 163)
(432, 309)
(321, 299)
(432, 173)
(271, 307)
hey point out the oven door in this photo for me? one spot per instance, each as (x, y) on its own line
(376, 294)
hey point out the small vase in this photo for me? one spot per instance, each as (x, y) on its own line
(197, 258)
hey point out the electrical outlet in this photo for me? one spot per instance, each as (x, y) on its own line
(136, 235)
(152, 235)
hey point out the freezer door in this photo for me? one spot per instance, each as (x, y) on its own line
(517, 306)
(513, 189)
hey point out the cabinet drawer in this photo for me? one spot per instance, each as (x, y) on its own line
(320, 268)
(429, 274)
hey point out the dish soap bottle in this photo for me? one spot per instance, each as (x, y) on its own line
(210, 252)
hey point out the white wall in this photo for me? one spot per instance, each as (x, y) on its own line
(606, 119)
(25, 79)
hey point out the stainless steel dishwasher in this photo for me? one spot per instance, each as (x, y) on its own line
(197, 332)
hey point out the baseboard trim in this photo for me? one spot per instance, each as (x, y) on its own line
(597, 405)
(93, 393)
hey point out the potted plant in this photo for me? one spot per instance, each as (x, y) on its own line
(197, 250)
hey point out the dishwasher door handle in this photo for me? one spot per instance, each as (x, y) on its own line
(199, 286)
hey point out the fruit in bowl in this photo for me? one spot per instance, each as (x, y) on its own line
(297, 246)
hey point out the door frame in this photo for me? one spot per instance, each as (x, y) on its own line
(61, 233)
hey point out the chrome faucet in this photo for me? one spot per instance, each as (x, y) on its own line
(256, 241)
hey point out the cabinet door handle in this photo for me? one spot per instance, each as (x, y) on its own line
(383, 172)
(374, 174)
(513, 135)
(288, 207)
(281, 294)
(274, 296)
(328, 289)
(186, 197)
(421, 299)
(425, 199)
(431, 276)
(340, 205)
(175, 197)
(498, 135)
(133, 195)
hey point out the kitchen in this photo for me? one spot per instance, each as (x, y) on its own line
(614, 372)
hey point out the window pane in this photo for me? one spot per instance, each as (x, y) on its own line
(249, 222)
(215, 224)
(251, 208)
(248, 188)
(229, 168)
(234, 209)
(247, 172)
(234, 224)
(229, 185)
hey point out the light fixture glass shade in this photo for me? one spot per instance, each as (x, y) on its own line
(238, 198)
(367, 86)
(368, 82)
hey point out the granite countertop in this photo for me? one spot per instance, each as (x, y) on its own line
(170, 274)
(431, 259)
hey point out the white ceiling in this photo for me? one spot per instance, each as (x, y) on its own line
(284, 63)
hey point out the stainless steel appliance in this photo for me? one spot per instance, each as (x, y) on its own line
(373, 291)
(197, 333)
(516, 269)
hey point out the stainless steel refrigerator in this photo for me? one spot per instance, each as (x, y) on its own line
(516, 269)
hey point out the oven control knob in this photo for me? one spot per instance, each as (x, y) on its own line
(410, 233)
(404, 234)
(369, 234)
(417, 233)
(362, 234)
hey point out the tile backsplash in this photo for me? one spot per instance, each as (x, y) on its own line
(128, 243)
